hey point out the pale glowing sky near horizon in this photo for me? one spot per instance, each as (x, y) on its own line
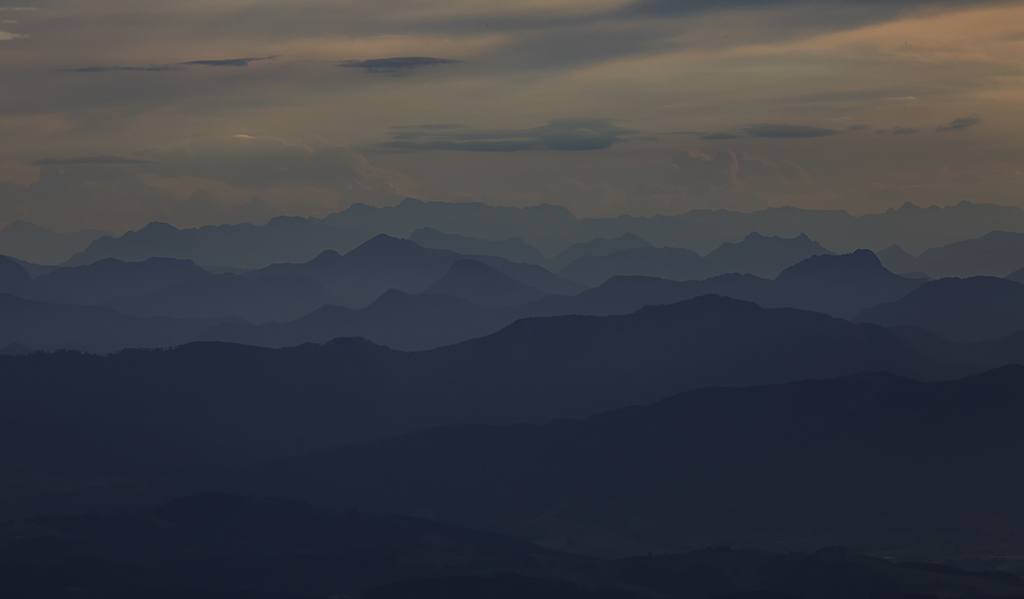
(114, 113)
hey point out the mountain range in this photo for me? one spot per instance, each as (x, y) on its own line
(204, 404)
(449, 298)
(549, 229)
(997, 254)
(220, 546)
(868, 461)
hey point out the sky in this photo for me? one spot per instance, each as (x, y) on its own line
(115, 113)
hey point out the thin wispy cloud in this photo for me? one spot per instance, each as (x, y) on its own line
(174, 66)
(227, 62)
(904, 131)
(119, 68)
(6, 36)
(562, 135)
(959, 124)
(397, 65)
(787, 131)
(89, 160)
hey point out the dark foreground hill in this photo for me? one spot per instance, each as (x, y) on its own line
(972, 309)
(143, 412)
(220, 546)
(396, 319)
(875, 462)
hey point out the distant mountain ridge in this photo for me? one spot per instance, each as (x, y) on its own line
(550, 229)
(283, 239)
(756, 254)
(969, 310)
(513, 249)
(32, 243)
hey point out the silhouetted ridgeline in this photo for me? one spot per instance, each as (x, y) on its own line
(758, 255)
(283, 239)
(230, 402)
(548, 228)
(973, 309)
(223, 546)
(33, 243)
(41, 326)
(513, 249)
(875, 462)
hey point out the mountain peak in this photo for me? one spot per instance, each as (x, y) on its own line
(481, 284)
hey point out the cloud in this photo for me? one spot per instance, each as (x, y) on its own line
(227, 62)
(858, 127)
(397, 65)
(904, 131)
(174, 66)
(959, 124)
(97, 160)
(6, 36)
(786, 131)
(564, 135)
(115, 68)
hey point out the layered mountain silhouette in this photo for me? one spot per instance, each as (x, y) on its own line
(544, 227)
(34, 270)
(596, 247)
(839, 285)
(396, 319)
(252, 401)
(897, 259)
(43, 326)
(513, 249)
(283, 239)
(257, 299)
(972, 309)
(13, 277)
(32, 243)
(756, 254)
(550, 229)
(492, 293)
(762, 256)
(483, 285)
(678, 264)
(385, 262)
(836, 285)
(997, 254)
(721, 572)
(216, 545)
(101, 282)
(871, 460)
